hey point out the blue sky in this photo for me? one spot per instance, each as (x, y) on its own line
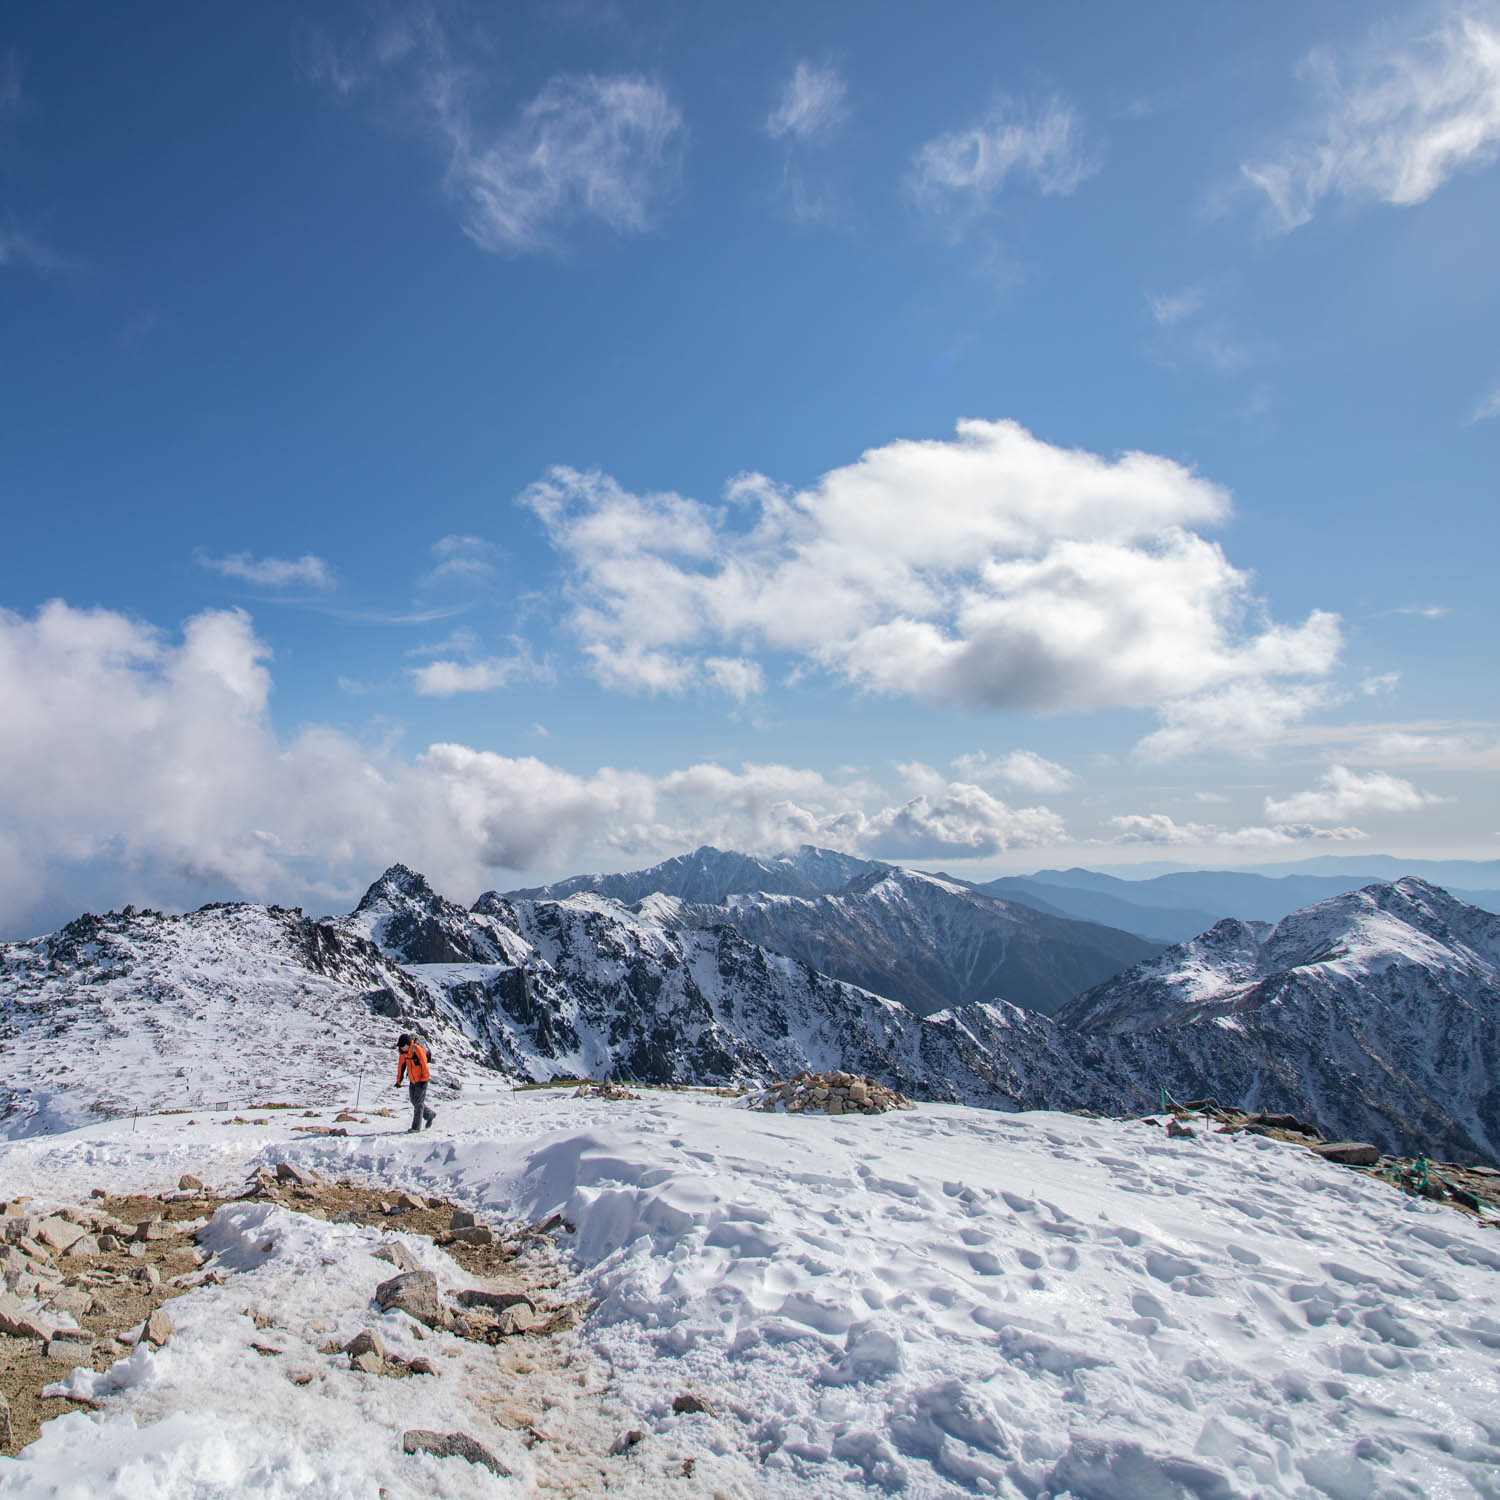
(523, 439)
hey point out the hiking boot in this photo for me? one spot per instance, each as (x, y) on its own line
(431, 1115)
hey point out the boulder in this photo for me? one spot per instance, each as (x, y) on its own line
(158, 1328)
(494, 1301)
(187, 1183)
(396, 1254)
(687, 1404)
(421, 1365)
(1349, 1153)
(6, 1431)
(68, 1300)
(370, 1362)
(475, 1234)
(518, 1318)
(152, 1229)
(416, 1294)
(81, 1248)
(19, 1323)
(366, 1342)
(451, 1445)
(462, 1219)
(57, 1233)
(298, 1176)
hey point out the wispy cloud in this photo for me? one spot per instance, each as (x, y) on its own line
(811, 106)
(12, 98)
(17, 248)
(586, 146)
(1425, 611)
(967, 169)
(1397, 119)
(306, 571)
(1160, 828)
(1192, 326)
(460, 560)
(1489, 407)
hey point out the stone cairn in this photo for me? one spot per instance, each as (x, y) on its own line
(836, 1093)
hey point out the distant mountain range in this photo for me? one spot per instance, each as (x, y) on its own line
(1169, 908)
(1376, 1012)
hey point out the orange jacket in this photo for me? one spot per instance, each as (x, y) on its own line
(413, 1064)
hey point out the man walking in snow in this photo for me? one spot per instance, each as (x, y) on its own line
(412, 1065)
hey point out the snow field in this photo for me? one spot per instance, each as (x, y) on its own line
(935, 1304)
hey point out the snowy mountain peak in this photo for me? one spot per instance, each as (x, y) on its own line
(398, 883)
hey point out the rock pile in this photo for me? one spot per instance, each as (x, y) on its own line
(836, 1093)
(605, 1090)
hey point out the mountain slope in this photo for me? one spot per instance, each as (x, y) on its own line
(932, 943)
(137, 1010)
(1377, 1011)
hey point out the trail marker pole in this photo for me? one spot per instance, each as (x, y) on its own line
(358, 1085)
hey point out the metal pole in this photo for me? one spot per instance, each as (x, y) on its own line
(358, 1085)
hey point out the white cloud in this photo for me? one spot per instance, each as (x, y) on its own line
(1159, 828)
(1489, 407)
(442, 679)
(811, 106)
(1426, 611)
(968, 168)
(461, 561)
(586, 147)
(306, 571)
(1023, 768)
(995, 570)
(128, 749)
(1442, 744)
(1342, 793)
(1398, 119)
(1170, 310)
(737, 676)
(1249, 715)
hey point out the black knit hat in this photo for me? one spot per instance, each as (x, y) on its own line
(404, 1039)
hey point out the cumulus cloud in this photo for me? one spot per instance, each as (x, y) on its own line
(1342, 793)
(124, 747)
(1397, 119)
(968, 168)
(1023, 768)
(811, 105)
(994, 570)
(306, 571)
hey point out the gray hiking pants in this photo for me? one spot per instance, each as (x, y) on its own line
(417, 1093)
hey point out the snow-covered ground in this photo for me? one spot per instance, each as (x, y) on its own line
(940, 1303)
